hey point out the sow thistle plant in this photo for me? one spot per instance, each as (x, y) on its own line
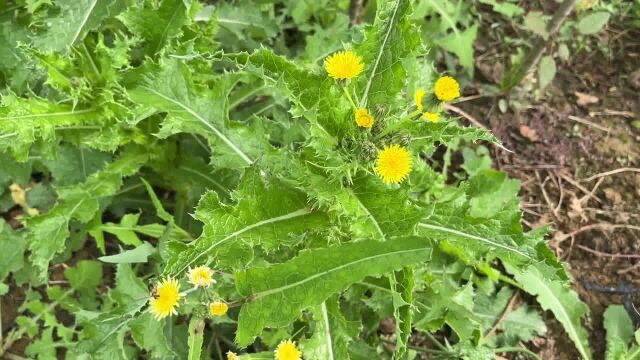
(277, 207)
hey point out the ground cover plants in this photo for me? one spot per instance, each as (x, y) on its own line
(254, 180)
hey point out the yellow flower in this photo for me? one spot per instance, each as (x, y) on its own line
(363, 118)
(393, 164)
(344, 65)
(446, 88)
(232, 356)
(165, 298)
(431, 116)
(287, 350)
(201, 276)
(420, 93)
(218, 308)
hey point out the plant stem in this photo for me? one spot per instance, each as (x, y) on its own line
(398, 124)
(511, 282)
(516, 74)
(416, 348)
(344, 89)
(517, 349)
(436, 342)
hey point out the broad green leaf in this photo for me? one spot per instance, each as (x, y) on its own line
(171, 91)
(593, 22)
(137, 255)
(12, 247)
(85, 277)
(387, 42)
(332, 335)
(47, 233)
(76, 19)
(315, 96)
(156, 26)
(23, 121)
(536, 22)
(196, 338)
(461, 44)
(150, 334)
(561, 300)
(546, 71)
(277, 294)
(72, 164)
(268, 213)
(619, 332)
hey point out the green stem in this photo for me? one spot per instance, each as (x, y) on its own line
(399, 123)
(517, 349)
(511, 282)
(344, 89)
(436, 342)
(416, 348)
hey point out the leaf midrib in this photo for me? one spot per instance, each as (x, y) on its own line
(262, 294)
(474, 237)
(193, 113)
(300, 212)
(375, 65)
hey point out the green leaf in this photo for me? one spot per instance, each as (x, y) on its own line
(536, 22)
(593, 22)
(74, 164)
(387, 42)
(268, 213)
(561, 300)
(196, 338)
(12, 247)
(47, 233)
(332, 334)
(171, 91)
(85, 277)
(546, 71)
(137, 255)
(619, 332)
(149, 334)
(505, 8)
(277, 294)
(461, 44)
(156, 26)
(76, 19)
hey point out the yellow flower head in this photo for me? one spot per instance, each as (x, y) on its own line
(287, 350)
(446, 88)
(218, 308)
(393, 164)
(344, 65)
(165, 298)
(431, 116)
(363, 118)
(420, 93)
(232, 356)
(201, 276)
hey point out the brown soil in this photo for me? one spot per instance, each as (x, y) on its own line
(583, 126)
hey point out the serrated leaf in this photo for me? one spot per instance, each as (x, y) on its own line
(158, 25)
(461, 44)
(76, 19)
(277, 294)
(12, 247)
(171, 91)
(561, 300)
(47, 233)
(619, 332)
(85, 276)
(593, 23)
(267, 212)
(332, 335)
(149, 334)
(74, 164)
(387, 42)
